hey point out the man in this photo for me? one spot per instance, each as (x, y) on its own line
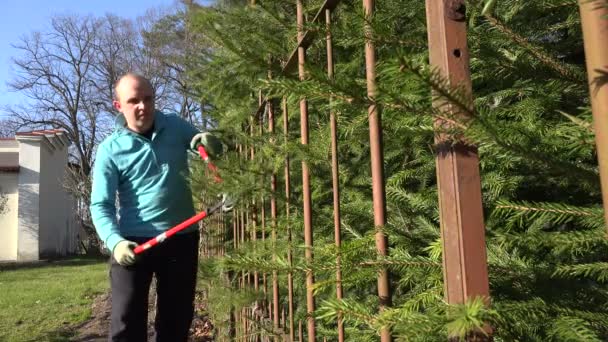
(145, 162)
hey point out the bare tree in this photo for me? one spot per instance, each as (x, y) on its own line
(68, 72)
(53, 73)
(6, 129)
(116, 47)
(54, 70)
(171, 42)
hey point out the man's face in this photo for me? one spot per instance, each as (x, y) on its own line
(135, 100)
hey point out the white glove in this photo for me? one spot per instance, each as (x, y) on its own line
(212, 144)
(123, 252)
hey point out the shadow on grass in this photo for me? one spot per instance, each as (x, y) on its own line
(71, 334)
(68, 261)
(65, 335)
(55, 336)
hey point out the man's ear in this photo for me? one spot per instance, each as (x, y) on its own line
(116, 105)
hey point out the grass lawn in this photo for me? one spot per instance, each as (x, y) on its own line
(38, 303)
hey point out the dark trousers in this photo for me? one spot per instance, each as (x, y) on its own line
(174, 262)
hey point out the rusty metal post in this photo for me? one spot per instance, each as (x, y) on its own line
(594, 19)
(248, 238)
(287, 209)
(254, 217)
(300, 332)
(212, 231)
(241, 224)
(243, 240)
(218, 238)
(377, 157)
(334, 171)
(263, 228)
(232, 325)
(308, 236)
(223, 234)
(264, 277)
(273, 215)
(235, 236)
(465, 267)
(254, 232)
(218, 222)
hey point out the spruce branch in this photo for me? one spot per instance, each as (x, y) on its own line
(562, 69)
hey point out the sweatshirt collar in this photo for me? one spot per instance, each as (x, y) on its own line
(120, 124)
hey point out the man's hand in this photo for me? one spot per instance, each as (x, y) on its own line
(123, 252)
(212, 144)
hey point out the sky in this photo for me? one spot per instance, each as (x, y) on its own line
(21, 17)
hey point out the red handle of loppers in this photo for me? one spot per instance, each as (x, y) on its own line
(194, 219)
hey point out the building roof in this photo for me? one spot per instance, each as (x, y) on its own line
(35, 133)
(50, 138)
(41, 132)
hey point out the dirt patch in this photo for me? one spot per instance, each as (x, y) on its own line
(96, 329)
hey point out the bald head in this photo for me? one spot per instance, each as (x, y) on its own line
(129, 78)
(135, 100)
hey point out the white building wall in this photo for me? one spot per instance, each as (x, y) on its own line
(45, 238)
(57, 228)
(8, 216)
(28, 201)
(40, 221)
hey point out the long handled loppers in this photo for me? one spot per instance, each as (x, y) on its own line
(194, 219)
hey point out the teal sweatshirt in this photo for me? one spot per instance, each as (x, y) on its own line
(150, 177)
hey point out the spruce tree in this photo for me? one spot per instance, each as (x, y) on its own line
(530, 118)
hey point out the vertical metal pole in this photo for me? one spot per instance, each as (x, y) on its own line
(263, 214)
(232, 327)
(235, 236)
(223, 236)
(214, 229)
(213, 237)
(308, 242)
(218, 223)
(256, 275)
(248, 237)
(377, 157)
(243, 240)
(254, 233)
(594, 19)
(242, 315)
(266, 301)
(273, 215)
(248, 273)
(334, 172)
(252, 278)
(465, 268)
(287, 202)
(245, 325)
(300, 332)
(241, 233)
(218, 238)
